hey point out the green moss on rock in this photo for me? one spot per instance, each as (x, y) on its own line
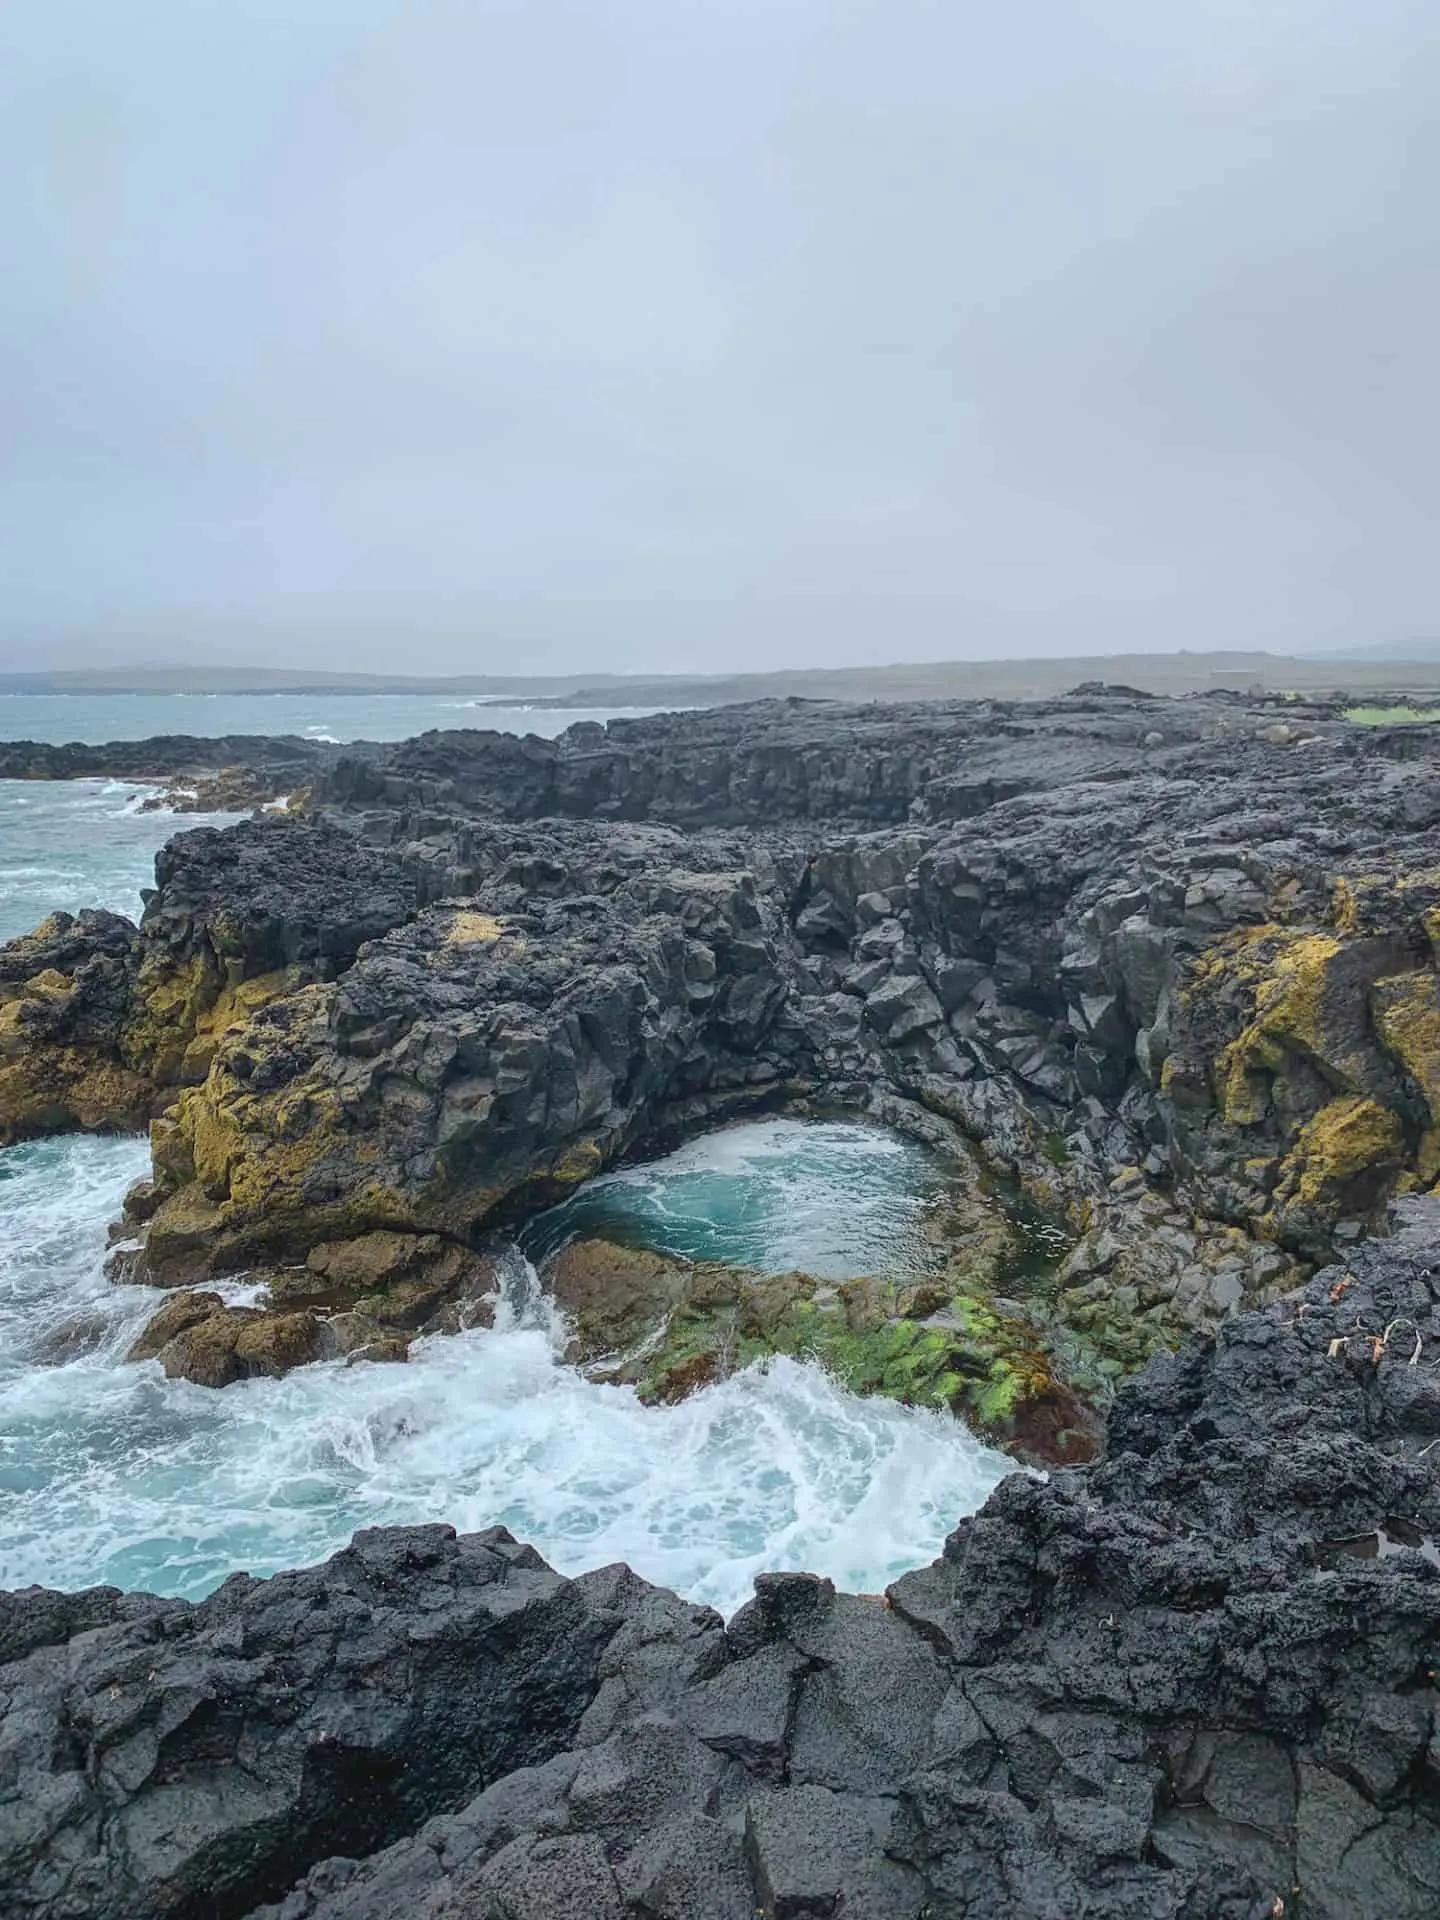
(915, 1342)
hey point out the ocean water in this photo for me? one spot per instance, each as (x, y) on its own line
(831, 1199)
(78, 843)
(110, 1472)
(97, 717)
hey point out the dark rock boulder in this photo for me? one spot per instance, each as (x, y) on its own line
(361, 1299)
(192, 1761)
(509, 1046)
(285, 761)
(1196, 1680)
(66, 993)
(101, 1022)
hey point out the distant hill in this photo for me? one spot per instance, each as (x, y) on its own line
(187, 679)
(1394, 670)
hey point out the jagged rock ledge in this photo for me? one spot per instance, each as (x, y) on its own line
(1164, 970)
(227, 773)
(1196, 1681)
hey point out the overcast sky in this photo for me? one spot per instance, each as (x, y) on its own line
(645, 334)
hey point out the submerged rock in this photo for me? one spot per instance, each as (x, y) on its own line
(1196, 1679)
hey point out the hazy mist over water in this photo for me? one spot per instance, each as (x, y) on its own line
(563, 337)
(96, 718)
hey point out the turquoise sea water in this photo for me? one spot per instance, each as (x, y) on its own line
(826, 1198)
(78, 843)
(110, 1472)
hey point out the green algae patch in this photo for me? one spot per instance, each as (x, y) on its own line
(1055, 1149)
(1392, 716)
(914, 1342)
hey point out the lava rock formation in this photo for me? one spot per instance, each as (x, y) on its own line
(1197, 1679)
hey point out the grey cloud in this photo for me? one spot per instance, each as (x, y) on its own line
(715, 333)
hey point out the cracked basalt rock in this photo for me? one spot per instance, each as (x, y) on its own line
(1181, 998)
(1196, 1681)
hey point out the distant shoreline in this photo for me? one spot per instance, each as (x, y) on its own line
(1156, 673)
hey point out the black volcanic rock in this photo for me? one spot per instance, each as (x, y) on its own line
(277, 892)
(196, 1759)
(776, 761)
(169, 759)
(1196, 1681)
(1168, 965)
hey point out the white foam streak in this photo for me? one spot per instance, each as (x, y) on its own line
(110, 1472)
(79, 843)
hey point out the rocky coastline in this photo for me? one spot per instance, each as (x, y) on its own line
(192, 773)
(1159, 973)
(1195, 1680)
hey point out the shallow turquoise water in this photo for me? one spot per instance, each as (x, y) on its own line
(835, 1200)
(110, 1472)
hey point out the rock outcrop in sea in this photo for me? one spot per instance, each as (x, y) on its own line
(1162, 970)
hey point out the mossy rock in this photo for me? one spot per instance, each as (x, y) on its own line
(1343, 1163)
(226, 1344)
(613, 1297)
(989, 1369)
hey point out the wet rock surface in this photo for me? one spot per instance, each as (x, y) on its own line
(1166, 965)
(198, 773)
(1196, 1679)
(942, 1339)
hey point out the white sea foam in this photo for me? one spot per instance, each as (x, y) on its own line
(111, 1472)
(108, 1471)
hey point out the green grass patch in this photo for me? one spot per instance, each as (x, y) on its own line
(1392, 716)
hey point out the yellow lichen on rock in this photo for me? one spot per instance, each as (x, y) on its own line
(1348, 1143)
(578, 1162)
(169, 1000)
(235, 1005)
(1381, 902)
(1288, 981)
(468, 928)
(182, 1012)
(1239, 954)
(1406, 1011)
(49, 984)
(1288, 1003)
(51, 1082)
(73, 1090)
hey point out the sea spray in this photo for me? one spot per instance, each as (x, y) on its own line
(67, 845)
(110, 1472)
